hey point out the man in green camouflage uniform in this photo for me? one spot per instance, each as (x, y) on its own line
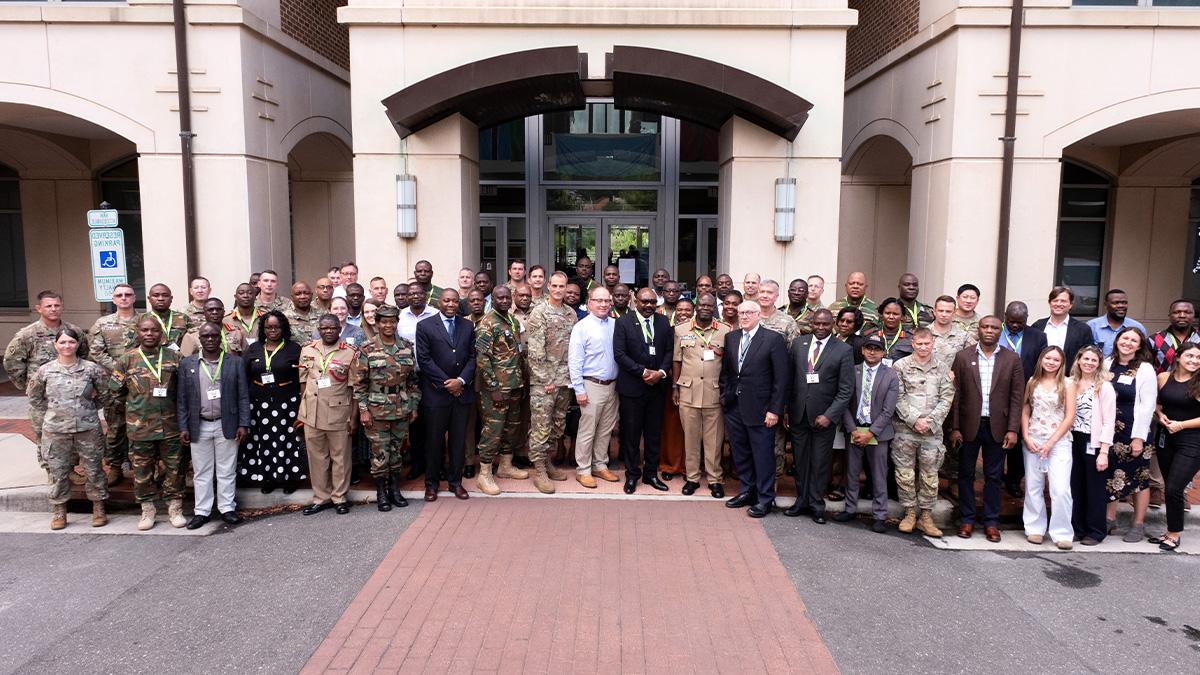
(856, 296)
(108, 342)
(922, 404)
(913, 312)
(500, 365)
(386, 387)
(547, 339)
(33, 346)
(145, 378)
(174, 325)
(798, 307)
(302, 315)
(69, 397)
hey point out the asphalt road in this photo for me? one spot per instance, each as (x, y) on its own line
(256, 598)
(892, 603)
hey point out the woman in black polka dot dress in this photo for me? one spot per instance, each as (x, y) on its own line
(273, 455)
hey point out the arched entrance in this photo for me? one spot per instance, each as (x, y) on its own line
(873, 236)
(321, 204)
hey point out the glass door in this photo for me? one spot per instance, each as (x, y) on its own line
(629, 249)
(573, 239)
(622, 241)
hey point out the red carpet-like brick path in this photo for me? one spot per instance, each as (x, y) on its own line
(577, 586)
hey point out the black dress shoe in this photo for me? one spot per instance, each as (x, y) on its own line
(796, 510)
(430, 494)
(819, 518)
(459, 492)
(231, 518)
(843, 517)
(289, 489)
(630, 486)
(470, 471)
(667, 476)
(343, 508)
(313, 509)
(198, 521)
(878, 527)
(758, 511)
(743, 499)
(717, 490)
(690, 487)
(267, 489)
(655, 483)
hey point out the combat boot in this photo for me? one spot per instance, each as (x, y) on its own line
(175, 513)
(541, 481)
(552, 471)
(114, 475)
(484, 480)
(926, 524)
(99, 516)
(394, 490)
(58, 517)
(147, 520)
(507, 470)
(383, 500)
(910, 519)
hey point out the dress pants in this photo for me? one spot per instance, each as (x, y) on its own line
(445, 430)
(993, 473)
(1180, 462)
(213, 455)
(876, 457)
(641, 418)
(753, 450)
(673, 457)
(1014, 464)
(1089, 495)
(328, 464)
(596, 422)
(1055, 470)
(703, 434)
(812, 451)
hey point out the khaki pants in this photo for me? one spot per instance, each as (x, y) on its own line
(596, 422)
(703, 429)
(328, 464)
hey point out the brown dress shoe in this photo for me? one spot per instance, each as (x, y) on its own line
(460, 492)
(430, 494)
(992, 533)
(607, 475)
(966, 530)
(586, 480)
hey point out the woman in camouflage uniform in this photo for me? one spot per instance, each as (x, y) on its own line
(69, 391)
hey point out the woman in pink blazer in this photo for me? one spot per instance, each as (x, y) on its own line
(1092, 434)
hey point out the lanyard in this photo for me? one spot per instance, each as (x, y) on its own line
(157, 372)
(914, 313)
(647, 333)
(712, 331)
(267, 357)
(166, 327)
(429, 298)
(510, 320)
(247, 327)
(1017, 347)
(891, 344)
(211, 376)
(324, 362)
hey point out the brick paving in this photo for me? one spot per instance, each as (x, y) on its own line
(577, 586)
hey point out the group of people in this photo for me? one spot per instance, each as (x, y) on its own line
(493, 381)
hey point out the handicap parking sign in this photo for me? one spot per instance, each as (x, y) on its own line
(108, 261)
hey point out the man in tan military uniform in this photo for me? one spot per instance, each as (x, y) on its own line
(327, 415)
(33, 346)
(926, 391)
(240, 325)
(547, 339)
(108, 342)
(699, 345)
(303, 315)
(214, 312)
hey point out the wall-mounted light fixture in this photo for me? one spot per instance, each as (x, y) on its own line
(785, 209)
(406, 206)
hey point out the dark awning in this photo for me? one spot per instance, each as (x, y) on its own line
(701, 91)
(493, 90)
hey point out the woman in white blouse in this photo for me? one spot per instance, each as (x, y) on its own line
(1136, 384)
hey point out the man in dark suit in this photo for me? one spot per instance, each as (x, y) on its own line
(822, 386)
(1028, 343)
(213, 405)
(754, 377)
(989, 389)
(446, 358)
(868, 424)
(642, 346)
(1063, 330)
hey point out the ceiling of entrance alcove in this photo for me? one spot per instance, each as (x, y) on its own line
(1151, 128)
(51, 122)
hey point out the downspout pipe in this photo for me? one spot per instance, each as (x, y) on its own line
(183, 84)
(1009, 140)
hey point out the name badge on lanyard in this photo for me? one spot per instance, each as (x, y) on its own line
(214, 394)
(653, 351)
(887, 362)
(268, 378)
(1125, 379)
(813, 378)
(324, 382)
(708, 355)
(160, 392)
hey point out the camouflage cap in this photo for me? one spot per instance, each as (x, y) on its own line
(386, 311)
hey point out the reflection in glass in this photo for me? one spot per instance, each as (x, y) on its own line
(601, 200)
(699, 152)
(119, 187)
(501, 199)
(572, 241)
(1082, 224)
(631, 242)
(688, 251)
(601, 142)
(502, 151)
(13, 286)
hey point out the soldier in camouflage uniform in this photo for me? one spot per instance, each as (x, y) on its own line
(856, 296)
(240, 326)
(33, 346)
(174, 325)
(948, 339)
(914, 312)
(547, 338)
(108, 341)
(500, 364)
(198, 292)
(68, 392)
(269, 299)
(145, 378)
(798, 307)
(386, 388)
(780, 322)
(926, 391)
(302, 315)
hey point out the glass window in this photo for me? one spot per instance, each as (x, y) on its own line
(601, 142)
(501, 199)
(518, 246)
(502, 151)
(689, 251)
(119, 187)
(1191, 282)
(601, 200)
(698, 201)
(699, 153)
(487, 244)
(14, 291)
(1082, 225)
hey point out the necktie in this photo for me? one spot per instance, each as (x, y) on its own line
(649, 331)
(450, 327)
(744, 348)
(816, 354)
(864, 407)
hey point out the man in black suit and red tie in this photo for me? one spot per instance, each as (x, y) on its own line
(754, 380)
(642, 346)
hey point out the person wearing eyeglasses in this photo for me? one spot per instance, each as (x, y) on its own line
(593, 371)
(324, 295)
(108, 339)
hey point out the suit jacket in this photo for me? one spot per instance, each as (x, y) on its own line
(1033, 341)
(884, 392)
(633, 354)
(830, 396)
(1079, 335)
(1004, 400)
(761, 385)
(235, 396)
(439, 360)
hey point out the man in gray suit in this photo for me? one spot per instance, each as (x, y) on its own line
(868, 425)
(822, 385)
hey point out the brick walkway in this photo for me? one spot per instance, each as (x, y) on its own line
(577, 586)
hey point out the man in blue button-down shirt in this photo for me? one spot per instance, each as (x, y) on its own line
(1105, 328)
(593, 374)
